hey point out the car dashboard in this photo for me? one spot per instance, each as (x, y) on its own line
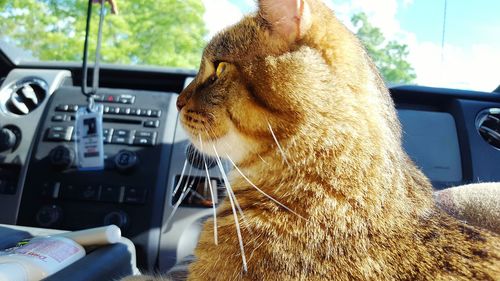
(452, 135)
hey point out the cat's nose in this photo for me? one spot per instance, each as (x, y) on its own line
(181, 102)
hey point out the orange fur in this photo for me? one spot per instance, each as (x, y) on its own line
(368, 209)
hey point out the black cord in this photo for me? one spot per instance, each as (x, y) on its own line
(95, 78)
(85, 51)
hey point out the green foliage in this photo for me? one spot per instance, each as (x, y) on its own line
(390, 57)
(151, 32)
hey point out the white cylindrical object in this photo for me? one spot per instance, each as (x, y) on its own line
(39, 258)
(12, 271)
(104, 235)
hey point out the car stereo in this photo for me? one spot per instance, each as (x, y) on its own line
(128, 192)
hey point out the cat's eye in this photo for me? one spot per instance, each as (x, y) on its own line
(221, 67)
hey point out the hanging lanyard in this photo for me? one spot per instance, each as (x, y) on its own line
(89, 131)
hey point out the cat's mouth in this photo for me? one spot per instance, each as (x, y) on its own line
(198, 126)
(229, 145)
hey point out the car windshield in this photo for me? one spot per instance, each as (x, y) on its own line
(441, 43)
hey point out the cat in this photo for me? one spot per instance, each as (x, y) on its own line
(291, 98)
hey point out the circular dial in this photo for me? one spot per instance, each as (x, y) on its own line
(49, 215)
(8, 139)
(118, 218)
(125, 160)
(62, 157)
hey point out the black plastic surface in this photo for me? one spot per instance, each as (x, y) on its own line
(480, 161)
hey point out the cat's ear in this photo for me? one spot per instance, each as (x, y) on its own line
(290, 19)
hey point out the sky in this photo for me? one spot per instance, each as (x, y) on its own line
(469, 59)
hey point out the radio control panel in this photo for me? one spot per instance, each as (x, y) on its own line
(138, 129)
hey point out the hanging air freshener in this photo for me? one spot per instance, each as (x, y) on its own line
(89, 136)
(89, 131)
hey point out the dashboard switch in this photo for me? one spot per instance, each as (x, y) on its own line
(61, 157)
(118, 218)
(49, 215)
(125, 160)
(8, 139)
(111, 194)
(151, 123)
(134, 195)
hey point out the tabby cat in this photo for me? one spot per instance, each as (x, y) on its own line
(290, 96)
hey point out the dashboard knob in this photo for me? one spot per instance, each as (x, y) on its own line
(125, 160)
(8, 139)
(62, 157)
(118, 218)
(49, 215)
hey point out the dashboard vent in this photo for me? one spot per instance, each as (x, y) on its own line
(488, 126)
(24, 96)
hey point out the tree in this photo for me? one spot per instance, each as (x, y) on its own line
(390, 57)
(151, 32)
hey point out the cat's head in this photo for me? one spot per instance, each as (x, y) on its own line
(290, 68)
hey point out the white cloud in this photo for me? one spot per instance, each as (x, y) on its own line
(473, 67)
(407, 2)
(464, 68)
(220, 14)
(382, 13)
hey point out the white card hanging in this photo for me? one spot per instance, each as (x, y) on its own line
(89, 138)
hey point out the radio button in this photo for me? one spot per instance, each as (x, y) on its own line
(134, 195)
(110, 98)
(62, 107)
(121, 133)
(58, 129)
(89, 192)
(114, 110)
(155, 113)
(73, 108)
(133, 111)
(112, 194)
(126, 99)
(125, 111)
(152, 123)
(119, 140)
(50, 190)
(70, 191)
(58, 118)
(59, 133)
(144, 141)
(145, 134)
(146, 112)
(98, 98)
(56, 136)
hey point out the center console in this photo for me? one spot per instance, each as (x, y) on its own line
(129, 192)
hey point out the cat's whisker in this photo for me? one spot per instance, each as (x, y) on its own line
(262, 192)
(278, 144)
(242, 214)
(175, 191)
(182, 174)
(265, 162)
(236, 221)
(212, 194)
(184, 193)
(238, 207)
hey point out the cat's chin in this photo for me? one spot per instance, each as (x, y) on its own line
(229, 146)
